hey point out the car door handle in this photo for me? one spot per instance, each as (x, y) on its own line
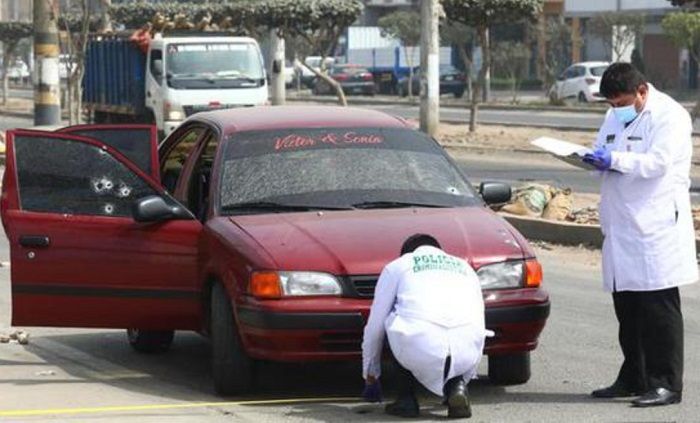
(34, 241)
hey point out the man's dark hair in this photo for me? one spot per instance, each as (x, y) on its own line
(418, 240)
(621, 78)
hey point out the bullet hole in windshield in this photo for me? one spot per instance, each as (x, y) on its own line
(102, 185)
(123, 191)
(109, 209)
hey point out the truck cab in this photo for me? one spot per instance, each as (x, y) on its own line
(189, 74)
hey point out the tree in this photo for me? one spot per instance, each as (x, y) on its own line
(319, 22)
(11, 33)
(461, 37)
(482, 15)
(558, 47)
(77, 22)
(683, 28)
(618, 31)
(405, 27)
(512, 59)
(682, 3)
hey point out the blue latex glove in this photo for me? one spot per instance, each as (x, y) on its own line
(601, 159)
(372, 392)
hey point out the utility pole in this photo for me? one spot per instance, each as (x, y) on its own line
(47, 99)
(277, 86)
(430, 67)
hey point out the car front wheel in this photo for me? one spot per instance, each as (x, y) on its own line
(232, 369)
(150, 341)
(510, 369)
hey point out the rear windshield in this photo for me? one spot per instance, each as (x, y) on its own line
(339, 167)
(598, 70)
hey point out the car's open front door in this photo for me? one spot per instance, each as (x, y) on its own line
(78, 258)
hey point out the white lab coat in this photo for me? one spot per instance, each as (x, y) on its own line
(645, 208)
(429, 305)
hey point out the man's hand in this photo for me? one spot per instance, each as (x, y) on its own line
(601, 159)
(373, 390)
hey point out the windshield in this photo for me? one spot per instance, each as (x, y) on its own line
(339, 168)
(214, 65)
(598, 70)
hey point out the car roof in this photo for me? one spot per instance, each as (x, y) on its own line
(283, 117)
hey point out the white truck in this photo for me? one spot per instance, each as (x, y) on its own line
(179, 75)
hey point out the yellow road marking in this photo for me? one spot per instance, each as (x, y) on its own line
(113, 409)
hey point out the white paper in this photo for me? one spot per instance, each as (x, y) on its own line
(567, 151)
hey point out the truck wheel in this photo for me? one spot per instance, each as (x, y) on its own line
(150, 341)
(511, 369)
(232, 369)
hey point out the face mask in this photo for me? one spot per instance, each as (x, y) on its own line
(625, 114)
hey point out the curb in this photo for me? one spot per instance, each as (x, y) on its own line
(16, 114)
(562, 233)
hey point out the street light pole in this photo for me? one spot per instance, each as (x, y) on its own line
(47, 103)
(430, 67)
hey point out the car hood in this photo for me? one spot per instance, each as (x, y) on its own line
(362, 242)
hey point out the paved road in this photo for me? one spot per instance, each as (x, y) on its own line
(64, 368)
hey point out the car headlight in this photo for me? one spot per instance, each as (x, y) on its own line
(175, 115)
(508, 274)
(293, 284)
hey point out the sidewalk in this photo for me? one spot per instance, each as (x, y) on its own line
(18, 107)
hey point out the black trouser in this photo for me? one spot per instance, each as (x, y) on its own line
(651, 338)
(407, 382)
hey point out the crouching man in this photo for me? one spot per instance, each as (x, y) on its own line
(429, 306)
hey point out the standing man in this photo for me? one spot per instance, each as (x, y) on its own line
(429, 306)
(643, 151)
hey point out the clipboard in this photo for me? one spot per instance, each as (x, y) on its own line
(565, 151)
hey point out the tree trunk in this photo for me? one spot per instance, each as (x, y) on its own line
(330, 81)
(485, 40)
(5, 85)
(467, 62)
(481, 83)
(106, 24)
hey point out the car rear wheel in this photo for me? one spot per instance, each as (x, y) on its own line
(232, 369)
(582, 97)
(150, 341)
(510, 369)
(459, 93)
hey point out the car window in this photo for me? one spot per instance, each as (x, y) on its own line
(200, 178)
(135, 143)
(580, 71)
(174, 159)
(71, 177)
(598, 70)
(339, 167)
(156, 55)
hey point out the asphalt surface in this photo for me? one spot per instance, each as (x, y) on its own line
(86, 371)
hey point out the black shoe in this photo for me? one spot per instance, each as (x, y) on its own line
(615, 390)
(656, 397)
(458, 405)
(405, 406)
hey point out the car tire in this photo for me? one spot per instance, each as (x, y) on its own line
(582, 97)
(401, 91)
(150, 341)
(510, 369)
(232, 369)
(459, 94)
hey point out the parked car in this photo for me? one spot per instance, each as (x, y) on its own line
(452, 81)
(580, 81)
(308, 78)
(290, 73)
(262, 228)
(18, 71)
(353, 79)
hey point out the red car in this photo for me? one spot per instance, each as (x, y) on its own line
(263, 228)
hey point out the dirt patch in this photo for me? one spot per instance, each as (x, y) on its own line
(518, 138)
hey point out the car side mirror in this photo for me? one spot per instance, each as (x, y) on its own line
(155, 209)
(495, 192)
(157, 68)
